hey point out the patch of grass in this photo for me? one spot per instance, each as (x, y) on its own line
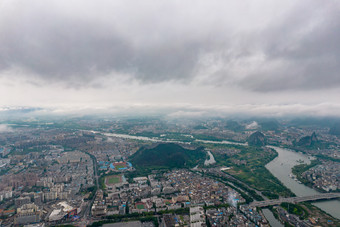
(120, 166)
(295, 209)
(249, 167)
(113, 179)
(140, 206)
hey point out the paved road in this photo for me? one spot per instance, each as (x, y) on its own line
(295, 199)
(86, 217)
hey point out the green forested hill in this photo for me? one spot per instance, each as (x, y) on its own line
(257, 139)
(168, 155)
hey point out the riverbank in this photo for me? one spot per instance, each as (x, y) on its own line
(281, 168)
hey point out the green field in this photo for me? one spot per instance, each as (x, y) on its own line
(120, 166)
(113, 179)
(140, 206)
(252, 171)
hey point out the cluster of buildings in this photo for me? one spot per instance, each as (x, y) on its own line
(69, 172)
(6, 194)
(112, 204)
(4, 162)
(253, 215)
(161, 192)
(4, 151)
(197, 217)
(37, 172)
(292, 219)
(108, 149)
(46, 181)
(201, 190)
(233, 216)
(216, 217)
(325, 176)
(27, 213)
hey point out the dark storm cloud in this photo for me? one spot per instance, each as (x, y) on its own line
(82, 55)
(295, 50)
(66, 48)
(74, 51)
(306, 51)
(62, 53)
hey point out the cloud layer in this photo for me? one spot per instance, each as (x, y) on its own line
(260, 46)
(148, 52)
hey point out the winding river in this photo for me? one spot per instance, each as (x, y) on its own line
(211, 159)
(271, 219)
(281, 168)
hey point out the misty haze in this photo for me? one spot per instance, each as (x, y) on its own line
(169, 113)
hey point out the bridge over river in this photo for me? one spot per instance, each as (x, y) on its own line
(295, 199)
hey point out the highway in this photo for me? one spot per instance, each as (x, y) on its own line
(86, 214)
(295, 199)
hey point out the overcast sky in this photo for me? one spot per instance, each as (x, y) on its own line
(260, 57)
